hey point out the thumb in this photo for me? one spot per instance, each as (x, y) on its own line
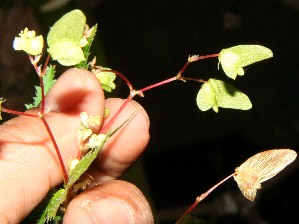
(114, 201)
(29, 166)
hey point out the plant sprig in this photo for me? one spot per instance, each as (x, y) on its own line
(69, 43)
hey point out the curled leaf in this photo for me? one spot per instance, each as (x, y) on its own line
(235, 58)
(216, 93)
(106, 78)
(65, 38)
(260, 168)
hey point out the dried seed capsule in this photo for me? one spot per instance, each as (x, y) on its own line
(260, 168)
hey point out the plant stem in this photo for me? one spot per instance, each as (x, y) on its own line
(64, 172)
(46, 64)
(202, 196)
(141, 91)
(106, 128)
(40, 115)
(121, 76)
(158, 84)
(33, 62)
(41, 81)
(197, 57)
(179, 75)
(18, 113)
(192, 79)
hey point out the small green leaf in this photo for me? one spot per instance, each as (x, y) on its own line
(49, 81)
(235, 58)
(64, 38)
(206, 98)
(106, 78)
(216, 93)
(50, 212)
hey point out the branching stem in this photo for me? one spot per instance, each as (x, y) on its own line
(158, 84)
(140, 92)
(107, 127)
(179, 75)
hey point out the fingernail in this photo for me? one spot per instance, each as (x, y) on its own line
(110, 211)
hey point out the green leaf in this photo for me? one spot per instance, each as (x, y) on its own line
(64, 38)
(84, 163)
(106, 79)
(216, 93)
(235, 58)
(59, 197)
(49, 81)
(206, 98)
(51, 210)
(67, 53)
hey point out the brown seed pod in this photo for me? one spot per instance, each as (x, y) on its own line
(261, 167)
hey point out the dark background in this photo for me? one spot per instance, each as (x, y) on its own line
(190, 150)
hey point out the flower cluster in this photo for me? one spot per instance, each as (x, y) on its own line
(85, 131)
(29, 42)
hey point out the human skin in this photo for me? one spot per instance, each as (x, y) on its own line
(29, 167)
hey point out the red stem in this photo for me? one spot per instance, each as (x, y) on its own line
(34, 65)
(158, 84)
(196, 57)
(46, 64)
(41, 83)
(18, 113)
(121, 76)
(192, 79)
(184, 68)
(106, 128)
(140, 91)
(179, 75)
(201, 197)
(64, 172)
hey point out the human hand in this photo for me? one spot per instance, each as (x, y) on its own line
(29, 167)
